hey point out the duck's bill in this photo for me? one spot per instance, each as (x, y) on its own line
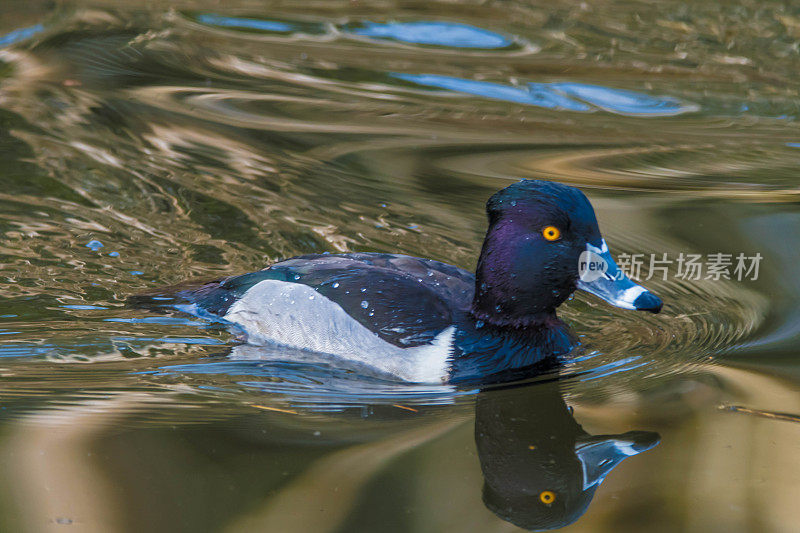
(600, 275)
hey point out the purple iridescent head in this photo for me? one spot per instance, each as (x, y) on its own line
(542, 240)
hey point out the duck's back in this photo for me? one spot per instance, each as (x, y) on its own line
(393, 312)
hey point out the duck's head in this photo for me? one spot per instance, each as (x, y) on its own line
(542, 244)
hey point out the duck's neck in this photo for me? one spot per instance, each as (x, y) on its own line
(495, 305)
(487, 352)
(491, 311)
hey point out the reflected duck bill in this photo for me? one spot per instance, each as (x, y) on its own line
(599, 454)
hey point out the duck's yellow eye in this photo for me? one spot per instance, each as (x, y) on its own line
(551, 233)
(547, 497)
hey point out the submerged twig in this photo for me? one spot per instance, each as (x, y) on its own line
(264, 407)
(788, 417)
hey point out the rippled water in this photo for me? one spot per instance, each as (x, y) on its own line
(144, 144)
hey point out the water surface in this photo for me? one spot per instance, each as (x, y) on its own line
(150, 143)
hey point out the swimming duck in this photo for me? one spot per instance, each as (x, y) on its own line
(421, 320)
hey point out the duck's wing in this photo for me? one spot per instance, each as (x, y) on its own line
(404, 300)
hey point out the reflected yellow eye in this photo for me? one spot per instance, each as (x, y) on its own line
(547, 497)
(551, 233)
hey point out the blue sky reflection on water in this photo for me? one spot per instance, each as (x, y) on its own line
(569, 96)
(434, 33)
(621, 101)
(19, 35)
(423, 32)
(245, 23)
(496, 91)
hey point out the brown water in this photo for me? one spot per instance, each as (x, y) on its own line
(194, 140)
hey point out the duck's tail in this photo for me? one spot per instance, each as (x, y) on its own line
(180, 294)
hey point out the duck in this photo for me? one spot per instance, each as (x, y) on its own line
(424, 321)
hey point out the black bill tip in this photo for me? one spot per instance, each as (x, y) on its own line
(647, 301)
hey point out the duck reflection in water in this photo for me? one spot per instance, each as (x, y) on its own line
(540, 468)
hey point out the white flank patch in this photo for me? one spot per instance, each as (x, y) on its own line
(295, 315)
